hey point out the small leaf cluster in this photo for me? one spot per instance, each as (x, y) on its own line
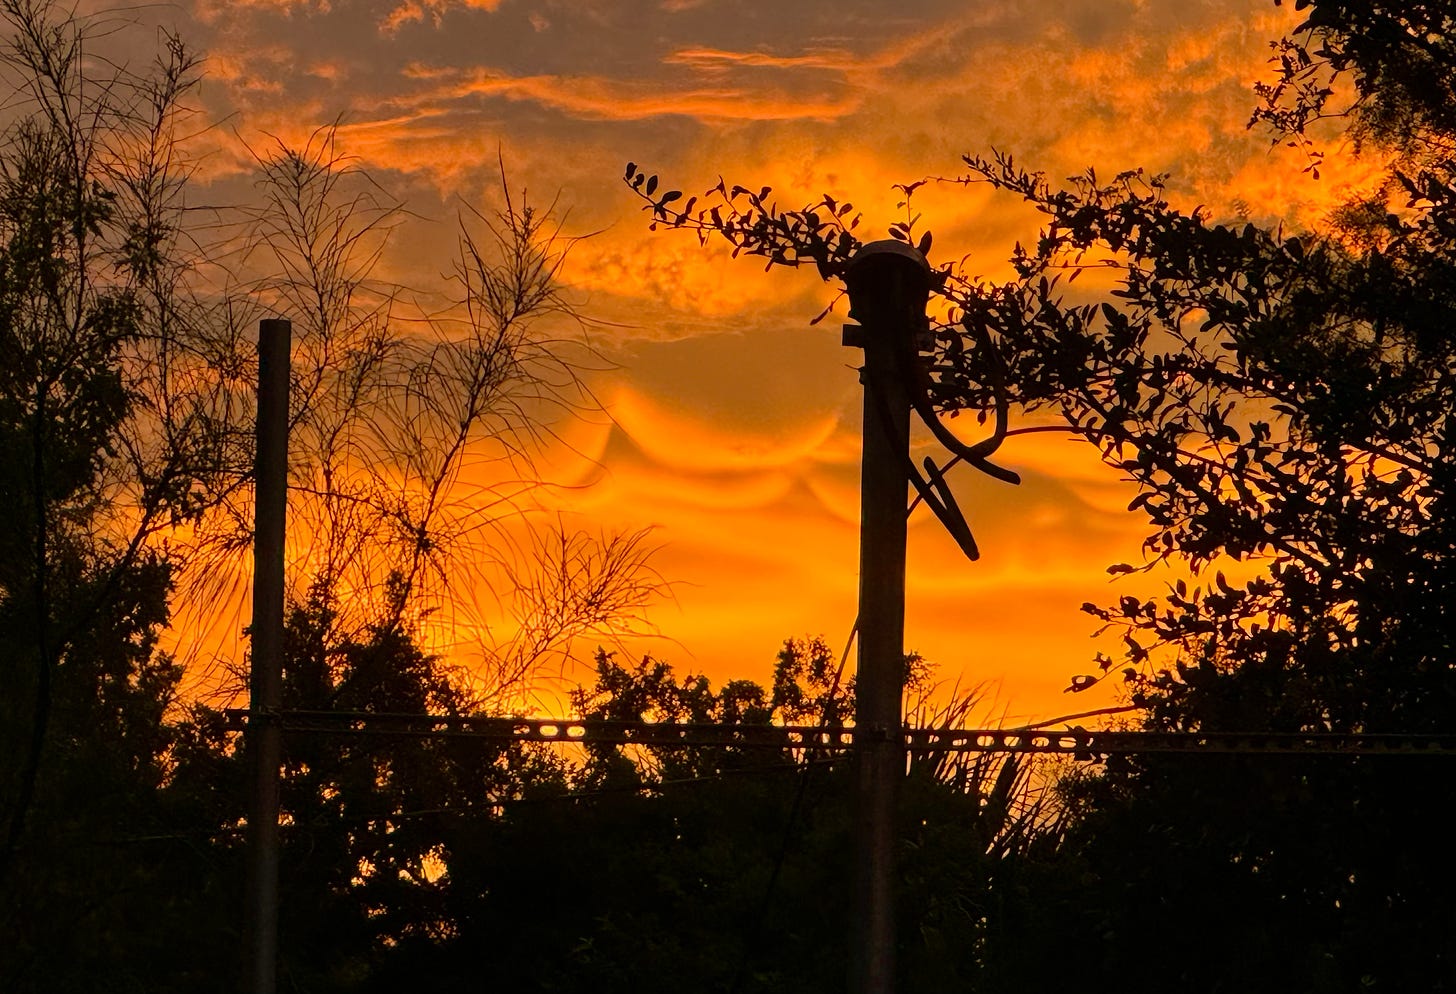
(1397, 55)
(819, 234)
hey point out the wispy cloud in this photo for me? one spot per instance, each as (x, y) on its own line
(605, 98)
(836, 60)
(418, 11)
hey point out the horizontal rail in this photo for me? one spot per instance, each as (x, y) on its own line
(1075, 742)
(555, 729)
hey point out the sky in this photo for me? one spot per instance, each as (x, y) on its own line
(731, 425)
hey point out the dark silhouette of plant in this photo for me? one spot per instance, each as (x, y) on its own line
(413, 432)
(112, 430)
(126, 397)
(1280, 400)
(649, 867)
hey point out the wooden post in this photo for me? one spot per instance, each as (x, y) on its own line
(888, 285)
(266, 676)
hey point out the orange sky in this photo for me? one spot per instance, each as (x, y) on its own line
(733, 424)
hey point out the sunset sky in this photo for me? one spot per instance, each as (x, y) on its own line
(734, 425)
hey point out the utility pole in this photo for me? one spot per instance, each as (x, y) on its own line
(264, 736)
(889, 283)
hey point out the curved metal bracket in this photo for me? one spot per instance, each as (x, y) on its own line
(907, 309)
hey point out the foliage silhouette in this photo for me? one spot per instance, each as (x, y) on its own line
(645, 869)
(1281, 401)
(125, 439)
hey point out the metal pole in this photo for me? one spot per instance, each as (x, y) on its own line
(888, 285)
(266, 684)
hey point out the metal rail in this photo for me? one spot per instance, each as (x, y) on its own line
(1079, 742)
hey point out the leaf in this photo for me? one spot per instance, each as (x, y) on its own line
(631, 171)
(651, 185)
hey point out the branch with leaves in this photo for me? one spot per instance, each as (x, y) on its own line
(1279, 399)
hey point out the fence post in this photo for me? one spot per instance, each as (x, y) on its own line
(264, 736)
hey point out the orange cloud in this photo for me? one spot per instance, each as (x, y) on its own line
(213, 10)
(416, 11)
(674, 439)
(604, 98)
(710, 59)
(736, 425)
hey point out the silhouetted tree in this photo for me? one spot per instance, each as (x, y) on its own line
(125, 432)
(1281, 400)
(413, 435)
(365, 868)
(109, 433)
(108, 436)
(650, 868)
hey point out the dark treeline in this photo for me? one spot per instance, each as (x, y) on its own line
(1279, 398)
